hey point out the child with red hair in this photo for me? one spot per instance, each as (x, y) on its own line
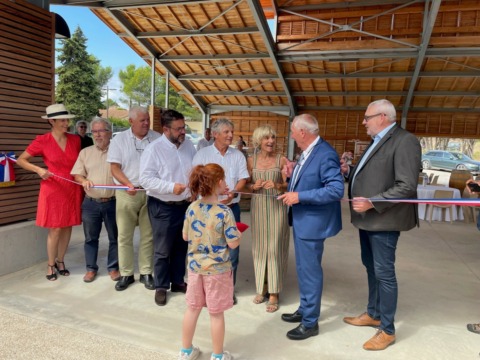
(211, 231)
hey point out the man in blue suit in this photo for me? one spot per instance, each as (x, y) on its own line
(314, 192)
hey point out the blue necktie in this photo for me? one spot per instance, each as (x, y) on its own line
(297, 170)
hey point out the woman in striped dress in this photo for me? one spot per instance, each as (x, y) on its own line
(270, 231)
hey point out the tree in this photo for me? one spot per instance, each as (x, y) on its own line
(137, 87)
(110, 103)
(78, 84)
(103, 74)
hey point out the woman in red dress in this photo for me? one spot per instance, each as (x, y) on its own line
(59, 201)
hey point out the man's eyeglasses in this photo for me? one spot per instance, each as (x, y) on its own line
(368, 117)
(101, 131)
(140, 149)
(178, 129)
(82, 127)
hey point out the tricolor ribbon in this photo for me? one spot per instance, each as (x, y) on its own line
(7, 172)
(458, 202)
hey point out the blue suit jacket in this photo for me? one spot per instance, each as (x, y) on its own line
(320, 187)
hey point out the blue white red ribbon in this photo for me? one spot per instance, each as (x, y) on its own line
(457, 202)
(7, 172)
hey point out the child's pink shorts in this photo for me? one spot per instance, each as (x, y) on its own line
(215, 292)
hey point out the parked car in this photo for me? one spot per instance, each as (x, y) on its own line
(449, 160)
(194, 138)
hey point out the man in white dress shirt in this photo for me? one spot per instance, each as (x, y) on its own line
(164, 170)
(124, 157)
(205, 141)
(234, 164)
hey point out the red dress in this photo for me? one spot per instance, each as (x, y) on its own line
(59, 201)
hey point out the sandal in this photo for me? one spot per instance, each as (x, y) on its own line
(259, 298)
(475, 328)
(63, 272)
(53, 275)
(272, 306)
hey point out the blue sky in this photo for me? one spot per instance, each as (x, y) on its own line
(102, 42)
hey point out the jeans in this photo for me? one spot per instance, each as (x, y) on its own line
(93, 214)
(235, 253)
(169, 248)
(378, 256)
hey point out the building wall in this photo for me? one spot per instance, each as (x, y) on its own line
(26, 89)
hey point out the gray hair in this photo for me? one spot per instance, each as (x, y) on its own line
(105, 122)
(262, 132)
(81, 122)
(135, 110)
(218, 124)
(386, 107)
(306, 122)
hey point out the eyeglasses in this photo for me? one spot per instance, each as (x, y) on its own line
(101, 131)
(178, 129)
(141, 142)
(368, 117)
(82, 127)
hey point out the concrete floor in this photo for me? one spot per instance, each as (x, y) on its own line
(439, 285)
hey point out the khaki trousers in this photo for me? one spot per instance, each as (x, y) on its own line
(133, 211)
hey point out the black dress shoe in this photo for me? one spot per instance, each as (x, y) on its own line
(123, 283)
(161, 297)
(234, 299)
(147, 280)
(179, 288)
(292, 318)
(301, 332)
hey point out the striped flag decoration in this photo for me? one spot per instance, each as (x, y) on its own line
(7, 173)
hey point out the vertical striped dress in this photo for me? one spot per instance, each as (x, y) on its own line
(270, 231)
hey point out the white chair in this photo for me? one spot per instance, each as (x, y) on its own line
(442, 194)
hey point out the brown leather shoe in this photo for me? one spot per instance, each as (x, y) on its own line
(114, 275)
(90, 276)
(161, 297)
(362, 320)
(379, 341)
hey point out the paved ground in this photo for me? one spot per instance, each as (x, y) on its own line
(439, 283)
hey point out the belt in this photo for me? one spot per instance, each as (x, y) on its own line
(178, 203)
(100, 200)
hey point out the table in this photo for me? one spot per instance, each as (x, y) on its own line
(427, 192)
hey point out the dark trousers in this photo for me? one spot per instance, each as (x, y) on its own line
(308, 260)
(93, 214)
(169, 248)
(378, 256)
(235, 253)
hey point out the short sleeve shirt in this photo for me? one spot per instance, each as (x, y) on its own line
(209, 228)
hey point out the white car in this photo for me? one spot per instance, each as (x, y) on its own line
(194, 138)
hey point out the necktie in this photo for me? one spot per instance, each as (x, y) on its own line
(297, 169)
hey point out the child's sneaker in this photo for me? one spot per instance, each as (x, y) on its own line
(193, 355)
(226, 356)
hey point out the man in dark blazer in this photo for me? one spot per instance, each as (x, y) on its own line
(315, 189)
(388, 169)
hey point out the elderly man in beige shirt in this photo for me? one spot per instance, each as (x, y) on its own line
(98, 206)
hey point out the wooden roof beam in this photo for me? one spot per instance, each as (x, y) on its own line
(428, 24)
(119, 17)
(196, 33)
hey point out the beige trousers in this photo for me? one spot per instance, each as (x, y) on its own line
(133, 211)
